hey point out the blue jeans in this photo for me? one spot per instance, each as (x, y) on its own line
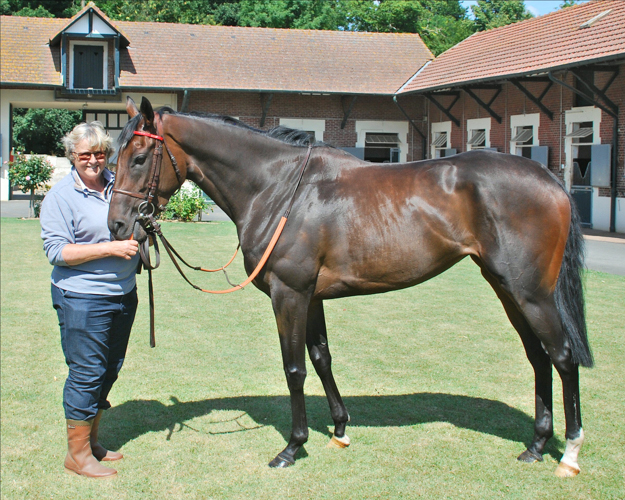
(94, 336)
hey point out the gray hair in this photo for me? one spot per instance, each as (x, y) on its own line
(96, 137)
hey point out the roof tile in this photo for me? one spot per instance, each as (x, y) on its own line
(537, 45)
(174, 56)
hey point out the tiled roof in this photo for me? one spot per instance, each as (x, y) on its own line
(25, 56)
(179, 56)
(545, 43)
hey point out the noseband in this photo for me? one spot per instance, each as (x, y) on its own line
(146, 207)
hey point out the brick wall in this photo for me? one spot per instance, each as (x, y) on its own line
(248, 107)
(511, 101)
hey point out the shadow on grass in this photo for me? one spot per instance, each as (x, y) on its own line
(135, 418)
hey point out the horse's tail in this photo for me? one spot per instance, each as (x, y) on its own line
(569, 294)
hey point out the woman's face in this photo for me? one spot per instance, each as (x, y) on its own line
(89, 162)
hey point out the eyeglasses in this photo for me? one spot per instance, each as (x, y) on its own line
(86, 156)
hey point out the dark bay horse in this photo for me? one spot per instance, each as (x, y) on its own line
(360, 228)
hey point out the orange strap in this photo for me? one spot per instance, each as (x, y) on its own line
(260, 265)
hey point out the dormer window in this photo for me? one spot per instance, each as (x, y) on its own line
(90, 46)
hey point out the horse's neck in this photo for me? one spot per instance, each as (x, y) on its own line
(232, 165)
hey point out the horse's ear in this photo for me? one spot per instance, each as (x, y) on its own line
(131, 107)
(147, 112)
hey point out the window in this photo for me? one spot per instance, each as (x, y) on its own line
(382, 141)
(381, 148)
(113, 121)
(583, 127)
(441, 140)
(478, 139)
(478, 134)
(88, 65)
(582, 139)
(524, 134)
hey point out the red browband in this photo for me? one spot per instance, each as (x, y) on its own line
(147, 134)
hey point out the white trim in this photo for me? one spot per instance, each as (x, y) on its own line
(70, 68)
(578, 115)
(364, 127)
(533, 120)
(318, 126)
(479, 124)
(413, 77)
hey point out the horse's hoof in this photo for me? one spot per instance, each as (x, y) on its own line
(281, 462)
(566, 470)
(336, 442)
(529, 457)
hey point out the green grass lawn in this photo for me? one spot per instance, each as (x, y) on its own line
(434, 377)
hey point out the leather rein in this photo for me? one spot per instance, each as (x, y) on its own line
(146, 217)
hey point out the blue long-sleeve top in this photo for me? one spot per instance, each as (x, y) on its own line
(72, 213)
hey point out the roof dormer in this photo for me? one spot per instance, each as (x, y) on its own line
(90, 45)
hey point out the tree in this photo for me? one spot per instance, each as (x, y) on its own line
(40, 130)
(568, 3)
(29, 174)
(38, 8)
(495, 13)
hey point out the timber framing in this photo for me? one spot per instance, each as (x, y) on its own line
(538, 100)
(485, 105)
(445, 110)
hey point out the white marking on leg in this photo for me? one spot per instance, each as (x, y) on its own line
(572, 450)
(339, 442)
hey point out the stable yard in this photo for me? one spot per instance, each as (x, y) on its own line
(434, 377)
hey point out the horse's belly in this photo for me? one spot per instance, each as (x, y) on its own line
(385, 270)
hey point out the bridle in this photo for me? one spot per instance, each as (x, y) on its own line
(146, 207)
(147, 219)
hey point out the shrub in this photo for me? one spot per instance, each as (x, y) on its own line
(186, 204)
(30, 173)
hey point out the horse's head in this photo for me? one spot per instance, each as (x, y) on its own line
(145, 177)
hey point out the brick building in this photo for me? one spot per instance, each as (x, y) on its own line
(337, 85)
(550, 88)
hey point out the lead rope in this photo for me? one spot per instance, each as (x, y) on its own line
(153, 227)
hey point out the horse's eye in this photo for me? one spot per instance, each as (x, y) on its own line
(140, 160)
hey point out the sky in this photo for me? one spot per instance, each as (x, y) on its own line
(536, 7)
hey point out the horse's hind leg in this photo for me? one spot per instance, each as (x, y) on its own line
(539, 312)
(541, 363)
(317, 342)
(546, 323)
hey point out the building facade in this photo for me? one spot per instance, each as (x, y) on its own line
(550, 88)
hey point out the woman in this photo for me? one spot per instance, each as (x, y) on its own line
(93, 292)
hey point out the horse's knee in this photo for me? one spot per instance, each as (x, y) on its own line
(295, 377)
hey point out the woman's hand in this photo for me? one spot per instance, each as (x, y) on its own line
(125, 249)
(76, 254)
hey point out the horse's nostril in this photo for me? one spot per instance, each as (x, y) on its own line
(118, 226)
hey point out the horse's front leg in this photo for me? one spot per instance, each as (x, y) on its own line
(319, 352)
(291, 310)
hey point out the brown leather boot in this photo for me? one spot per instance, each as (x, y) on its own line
(99, 451)
(79, 459)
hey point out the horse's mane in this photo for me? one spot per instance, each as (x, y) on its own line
(287, 135)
